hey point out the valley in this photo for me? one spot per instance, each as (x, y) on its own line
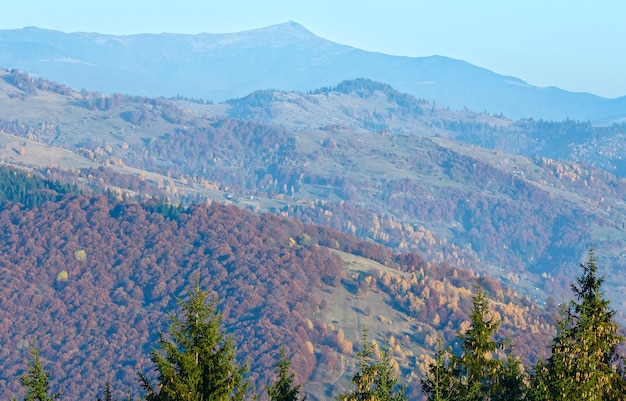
(403, 178)
(328, 212)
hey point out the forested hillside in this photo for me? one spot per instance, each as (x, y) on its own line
(360, 157)
(91, 279)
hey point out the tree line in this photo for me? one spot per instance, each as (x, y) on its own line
(196, 360)
(223, 240)
(583, 363)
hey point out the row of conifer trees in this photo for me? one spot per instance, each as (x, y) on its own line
(196, 360)
(583, 363)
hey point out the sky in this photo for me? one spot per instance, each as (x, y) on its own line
(574, 45)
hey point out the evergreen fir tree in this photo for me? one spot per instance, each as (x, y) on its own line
(477, 370)
(560, 366)
(539, 387)
(388, 385)
(439, 384)
(376, 380)
(595, 336)
(584, 361)
(511, 383)
(37, 380)
(107, 394)
(197, 360)
(284, 389)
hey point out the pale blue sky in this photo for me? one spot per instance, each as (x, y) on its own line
(575, 45)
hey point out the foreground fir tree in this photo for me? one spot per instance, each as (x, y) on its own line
(439, 382)
(584, 364)
(555, 380)
(596, 337)
(539, 386)
(107, 394)
(196, 361)
(37, 380)
(376, 379)
(512, 380)
(284, 388)
(477, 369)
(476, 374)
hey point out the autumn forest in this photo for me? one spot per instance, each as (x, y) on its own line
(89, 279)
(354, 241)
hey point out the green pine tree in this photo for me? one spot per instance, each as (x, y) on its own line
(376, 380)
(477, 369)
(539, 383)
(37, 380)
(196, 361)
(584, 362)
(560, 367)
(107, 395)
(283, 389)
(511, 383)
(388, 384)
(439, 384)
(596, 335)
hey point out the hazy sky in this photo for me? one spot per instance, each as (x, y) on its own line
(575, 45)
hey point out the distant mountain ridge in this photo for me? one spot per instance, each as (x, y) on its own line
(285, 56)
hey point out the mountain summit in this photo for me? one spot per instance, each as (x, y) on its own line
(285, 56)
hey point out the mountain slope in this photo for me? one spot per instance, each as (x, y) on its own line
(362, 158)
(93, 279)
(285, 56)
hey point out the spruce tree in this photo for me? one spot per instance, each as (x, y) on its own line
(376, 379)
(511, 382)
(283, 389)
(584, 364)
(596, 337)
(539, 383)
(560, 377)
(37, 380)
(477, 370)
(196, 360)
(388, 384)
(107, 394)
(439, 382)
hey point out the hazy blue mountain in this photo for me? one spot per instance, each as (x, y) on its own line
(285, 56)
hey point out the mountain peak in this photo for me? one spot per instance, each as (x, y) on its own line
(287, 56)
(290, 30)
(275, 36)
(294, 25)
(289, 26)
